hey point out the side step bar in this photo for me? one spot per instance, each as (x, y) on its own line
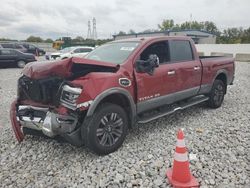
(191, 102)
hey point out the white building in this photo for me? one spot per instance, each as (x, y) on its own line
(199, 37)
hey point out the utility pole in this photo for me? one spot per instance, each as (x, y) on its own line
(89, 31)
(191, 18)
(94, 32)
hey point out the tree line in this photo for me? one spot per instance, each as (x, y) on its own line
(227, 36)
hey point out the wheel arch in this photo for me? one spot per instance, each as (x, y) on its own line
(20, 59)
(222, 75)
(117, 96)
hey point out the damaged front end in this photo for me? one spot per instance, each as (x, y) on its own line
(47, 101)
(46, 106)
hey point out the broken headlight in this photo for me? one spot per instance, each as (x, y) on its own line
(69, 96)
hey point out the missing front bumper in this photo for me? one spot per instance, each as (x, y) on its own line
(42, 120)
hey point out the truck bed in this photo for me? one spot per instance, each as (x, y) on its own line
(212, 64)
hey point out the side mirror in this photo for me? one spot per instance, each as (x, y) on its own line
(149, 65)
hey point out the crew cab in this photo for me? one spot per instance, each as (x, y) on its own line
(95, 99)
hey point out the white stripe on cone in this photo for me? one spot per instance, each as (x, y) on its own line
(181, 157)
(180, 143)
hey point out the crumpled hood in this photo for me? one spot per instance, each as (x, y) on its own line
(60, 68)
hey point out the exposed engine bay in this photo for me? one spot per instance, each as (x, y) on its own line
(48, 86)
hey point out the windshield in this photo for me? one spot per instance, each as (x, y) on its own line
(65, 50)
(115, 53)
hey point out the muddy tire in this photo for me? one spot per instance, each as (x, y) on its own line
(106, 130)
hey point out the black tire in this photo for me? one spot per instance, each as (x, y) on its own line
(106, 130)
(217, 94)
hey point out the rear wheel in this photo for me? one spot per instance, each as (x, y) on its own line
(106, 130)
(21, 63)
(216, 95)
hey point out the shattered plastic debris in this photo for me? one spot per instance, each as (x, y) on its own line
(193, 157)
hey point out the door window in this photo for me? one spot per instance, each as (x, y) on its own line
(78, 50)
(85, 50)
(31, 47)
(180, 50)
(18, 46)
(159, 48)
(7, 45)
(7, 52)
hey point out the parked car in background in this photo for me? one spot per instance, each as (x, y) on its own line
(12, 57)
(34, 49)
(76, 51)
(16, 46)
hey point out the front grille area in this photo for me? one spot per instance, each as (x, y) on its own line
(46, 90)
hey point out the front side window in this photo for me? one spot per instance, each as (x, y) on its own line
(159, 48)
(116, 52)
(180, 50)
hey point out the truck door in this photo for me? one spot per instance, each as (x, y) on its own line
(152, 88)
(185, 68)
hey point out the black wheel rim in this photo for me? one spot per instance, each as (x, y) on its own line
(110, 129)
(218, 94)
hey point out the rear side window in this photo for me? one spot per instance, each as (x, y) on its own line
(84, 50)
(77, 50)
(180, 50)
(18, 46)
(7, 52)
(7, 45)
(31, 47)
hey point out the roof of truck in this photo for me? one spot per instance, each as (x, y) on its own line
(147, 39)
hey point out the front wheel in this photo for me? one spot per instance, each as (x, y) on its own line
(216, 95)
(106, 130)
(21, 64)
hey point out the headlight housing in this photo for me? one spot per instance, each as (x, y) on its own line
(69, 96)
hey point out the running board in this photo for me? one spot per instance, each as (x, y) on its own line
(191, 102)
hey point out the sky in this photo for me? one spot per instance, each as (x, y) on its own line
(56, 18)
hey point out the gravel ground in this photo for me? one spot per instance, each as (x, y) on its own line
(219, 139)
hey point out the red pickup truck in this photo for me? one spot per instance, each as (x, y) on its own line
(93, 101)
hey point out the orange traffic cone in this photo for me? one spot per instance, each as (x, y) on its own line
(180, 175)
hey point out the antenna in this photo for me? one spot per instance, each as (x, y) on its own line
(89, 31)
(94, 32)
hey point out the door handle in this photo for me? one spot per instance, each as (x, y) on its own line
(196, 68)
(172, 72)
